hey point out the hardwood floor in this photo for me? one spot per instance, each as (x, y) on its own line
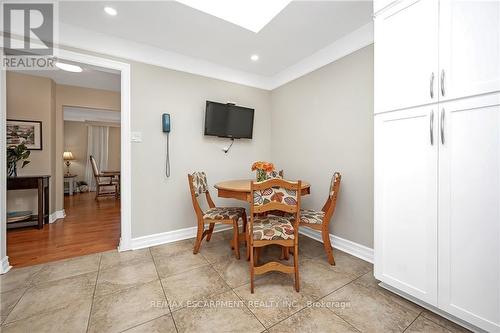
(89, 227)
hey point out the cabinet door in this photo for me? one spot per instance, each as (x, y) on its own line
(469, 50)
(469, 211)
(406, 201)
(406, 55)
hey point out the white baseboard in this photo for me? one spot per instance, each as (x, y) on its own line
(170, 236)
(58, 214)
(4, 265)
(355, 249)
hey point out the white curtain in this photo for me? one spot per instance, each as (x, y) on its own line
(97, 146)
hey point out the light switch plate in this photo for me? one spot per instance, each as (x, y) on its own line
(136, 136)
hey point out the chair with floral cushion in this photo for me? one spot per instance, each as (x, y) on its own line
(226, 215)
(273, 195)
(320, 220)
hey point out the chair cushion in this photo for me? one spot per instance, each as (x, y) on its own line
(272, 227)
(224, 213)
(311, 216)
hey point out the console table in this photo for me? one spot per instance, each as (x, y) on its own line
(41, 183)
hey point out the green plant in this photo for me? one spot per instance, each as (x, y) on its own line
(14, 155)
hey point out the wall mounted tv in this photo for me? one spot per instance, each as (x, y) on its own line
(228, 121)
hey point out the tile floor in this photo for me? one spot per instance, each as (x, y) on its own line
(168, 289)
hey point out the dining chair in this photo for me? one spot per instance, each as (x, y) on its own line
(105, 180)
(273, 195)
(320, 220)
(226, 215)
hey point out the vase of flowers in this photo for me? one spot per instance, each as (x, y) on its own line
(14, 155)
(262, 169)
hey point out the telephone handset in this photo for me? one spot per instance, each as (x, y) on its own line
(165, 121)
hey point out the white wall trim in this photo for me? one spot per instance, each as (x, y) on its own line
(105, 44)
(4, 265)
(340, 48)
(362, 252)
(170, 236)
(58, 214)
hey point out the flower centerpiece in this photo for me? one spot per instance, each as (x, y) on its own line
(262, 168)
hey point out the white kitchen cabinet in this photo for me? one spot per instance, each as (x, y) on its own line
(469, 211)
(406, 61)
(469, 48)
(406, 201)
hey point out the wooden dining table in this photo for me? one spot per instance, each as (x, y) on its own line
(240, 189)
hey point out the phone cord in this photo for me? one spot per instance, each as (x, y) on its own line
(168, 158)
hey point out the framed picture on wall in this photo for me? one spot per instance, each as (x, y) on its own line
(24, 131)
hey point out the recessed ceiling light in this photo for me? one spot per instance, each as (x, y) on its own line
(251, 15)
(68, 67)
(254, 57)
(110, 11)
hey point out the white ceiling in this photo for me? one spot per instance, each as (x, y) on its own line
(91, 77)
(300, 30)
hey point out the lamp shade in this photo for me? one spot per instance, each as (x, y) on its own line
(68, 156)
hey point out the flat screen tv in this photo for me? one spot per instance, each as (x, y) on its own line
(228, 121)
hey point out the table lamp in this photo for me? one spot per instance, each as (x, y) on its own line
(68, 157)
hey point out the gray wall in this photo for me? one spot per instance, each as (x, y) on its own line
(323, 122)
(160, 204)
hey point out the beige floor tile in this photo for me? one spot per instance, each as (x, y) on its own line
(313, 320)
(235, 272)
(67, 268)
(310, 248)
(193, 285)
(178, 263)
(449, 325)
(164, 324)
(50, 296)
(219, 251)
(72, 318)
(322, 278)
(8, 300)
(18, 278)
(225, 313)
(125, 276)
(346, 263)
(170, 249)
(368, 280)
(369, 309)
(423, 325)
(226, 235)
(275, 298)
(114, 258)
(122, 310)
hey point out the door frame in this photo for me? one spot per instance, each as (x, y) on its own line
(126, 172)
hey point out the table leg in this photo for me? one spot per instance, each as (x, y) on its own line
(40, 204)
(46, 200)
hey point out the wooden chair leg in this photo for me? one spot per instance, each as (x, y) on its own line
(210, 231)
(199, 237)
(296, 267)
(247, 236)
(328, 246)
(257, 255)
(252, 267)
(244, 219)
(236, 240)
(97, 192)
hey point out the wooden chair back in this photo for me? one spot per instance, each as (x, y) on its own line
(198, 185)
(95, 169)
(331, 201)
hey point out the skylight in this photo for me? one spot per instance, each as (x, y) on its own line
(249, 14)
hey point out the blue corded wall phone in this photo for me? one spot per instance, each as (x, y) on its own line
(165, 122)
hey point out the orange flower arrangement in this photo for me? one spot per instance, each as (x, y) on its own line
(261, 165)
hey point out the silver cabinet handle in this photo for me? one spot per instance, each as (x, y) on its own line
(431, 127)
(442, 126)
(432, 85)
(442, 83)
